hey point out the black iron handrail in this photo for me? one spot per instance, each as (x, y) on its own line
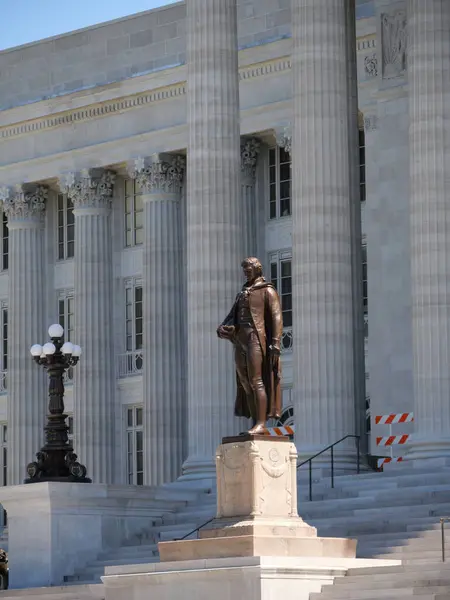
(331, 447)
(197, 529)
(443, 520)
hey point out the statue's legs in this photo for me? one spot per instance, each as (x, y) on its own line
(249, 365)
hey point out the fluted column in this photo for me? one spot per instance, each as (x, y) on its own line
(214, 224)
(324, 74)
(429, 138)
(93, 390)
(160, 179)
(249, 157)
(27, 391)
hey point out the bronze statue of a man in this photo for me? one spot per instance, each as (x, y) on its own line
(254, 326)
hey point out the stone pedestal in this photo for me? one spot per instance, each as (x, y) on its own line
(257, 548)
(56, 528)
(257, 508)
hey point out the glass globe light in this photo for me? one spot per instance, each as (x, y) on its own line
(55, 331)
(49, 348)
(36, 350)
(67, 348)
(76, 352)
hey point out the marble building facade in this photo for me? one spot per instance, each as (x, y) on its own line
(131, 191)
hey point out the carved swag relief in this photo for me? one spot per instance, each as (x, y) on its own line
(261, 474)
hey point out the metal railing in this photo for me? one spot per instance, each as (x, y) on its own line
(442, 521)
(130, 364)
(331, 448)
(287, 340)
(196, 530)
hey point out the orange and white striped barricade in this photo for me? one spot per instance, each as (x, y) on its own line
(392, 440)
(388, 459)
(287, 430)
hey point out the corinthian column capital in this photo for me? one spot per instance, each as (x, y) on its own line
(284, 138)
(90, 188)
(24, 203)
(249, 156)
(159, 173)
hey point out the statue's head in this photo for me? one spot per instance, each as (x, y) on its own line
(252, 268)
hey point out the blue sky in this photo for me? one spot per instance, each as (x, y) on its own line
(24, 21)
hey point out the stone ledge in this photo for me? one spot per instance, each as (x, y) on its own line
(254, 545)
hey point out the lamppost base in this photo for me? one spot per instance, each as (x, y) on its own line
(56, 464)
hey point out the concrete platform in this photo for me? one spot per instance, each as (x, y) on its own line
(252, 578)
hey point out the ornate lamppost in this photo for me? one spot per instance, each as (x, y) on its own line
(56, 461)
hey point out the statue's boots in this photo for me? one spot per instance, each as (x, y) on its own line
(260, 397)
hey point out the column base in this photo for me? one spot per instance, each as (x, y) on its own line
(199, 468)
(426, 449)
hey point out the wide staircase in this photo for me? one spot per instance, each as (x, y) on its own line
(395, 515)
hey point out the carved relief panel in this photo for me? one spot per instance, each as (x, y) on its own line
(257, 478)
(393, 44)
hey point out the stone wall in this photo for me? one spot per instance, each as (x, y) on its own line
(124, 48)
(120, 49)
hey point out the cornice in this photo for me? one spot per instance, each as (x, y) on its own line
(125, 103)
(93, 111)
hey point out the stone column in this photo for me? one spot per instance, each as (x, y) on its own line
(27, 390)
(324, 75)
(94, 384)
(160, 179)
(429, 139)
(215, 244)
(249, 157)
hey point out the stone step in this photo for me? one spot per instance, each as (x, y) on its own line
(382, 525)
(406, 545)
(76, 592)
(361, 528)
(404, 494)
(375, 574)
(400, 590)
(346, 507)
(406, 537)
(121, 560)
(379, 518)
(434, 481)
(186, 495)
(79, 579)
(410, 594)
(377, 478)
(402, 553)
(401, 470)
(169, 531)
(376, 500)
(196, 516)
(129, 551)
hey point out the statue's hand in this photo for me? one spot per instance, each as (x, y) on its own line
(225, 332)
(274, 350)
